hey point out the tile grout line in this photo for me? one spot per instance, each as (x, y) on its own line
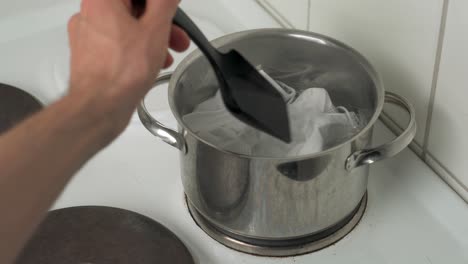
(436, 165)
(396, 129)
(448, 177)
(309, 11)
(275, 14)
(433, 163)
(435, 77)
(422, 151)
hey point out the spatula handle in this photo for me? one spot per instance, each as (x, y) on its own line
(182, 20)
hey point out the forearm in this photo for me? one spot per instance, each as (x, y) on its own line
(115, 57)
(37, 159)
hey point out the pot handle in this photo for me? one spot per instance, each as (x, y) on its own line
(168, 135)
(369, 156)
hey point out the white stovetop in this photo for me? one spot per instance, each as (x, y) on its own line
(412, 215)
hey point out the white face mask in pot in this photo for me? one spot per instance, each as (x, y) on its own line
(316, 124)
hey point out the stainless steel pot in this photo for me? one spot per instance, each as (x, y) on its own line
(265, 200)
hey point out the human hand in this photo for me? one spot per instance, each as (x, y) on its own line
(115, 56)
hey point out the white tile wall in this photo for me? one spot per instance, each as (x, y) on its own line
(448, 141)
(420, 47)
(399, 37)
(291, 13)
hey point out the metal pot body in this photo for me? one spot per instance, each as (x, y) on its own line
(278, 199)
(270, 198)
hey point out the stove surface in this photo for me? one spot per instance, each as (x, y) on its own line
(412, 216)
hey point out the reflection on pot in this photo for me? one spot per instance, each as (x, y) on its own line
(304, 170)
(222, 190)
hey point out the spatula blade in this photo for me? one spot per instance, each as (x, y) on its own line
(255, 100)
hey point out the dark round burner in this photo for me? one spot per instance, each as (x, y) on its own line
(103, 235)
(15, 106)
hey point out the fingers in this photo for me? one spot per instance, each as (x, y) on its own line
(134, 7)
(137, 7)
(103, 10)
(160, 11)
(128, 5)
(73, 26)
(179, 40)
(169, 61)
(157, 22)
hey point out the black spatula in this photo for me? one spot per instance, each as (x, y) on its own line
(246, 93)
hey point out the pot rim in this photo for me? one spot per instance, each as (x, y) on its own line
(311, 36)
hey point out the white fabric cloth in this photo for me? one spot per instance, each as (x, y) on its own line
(316, 124)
